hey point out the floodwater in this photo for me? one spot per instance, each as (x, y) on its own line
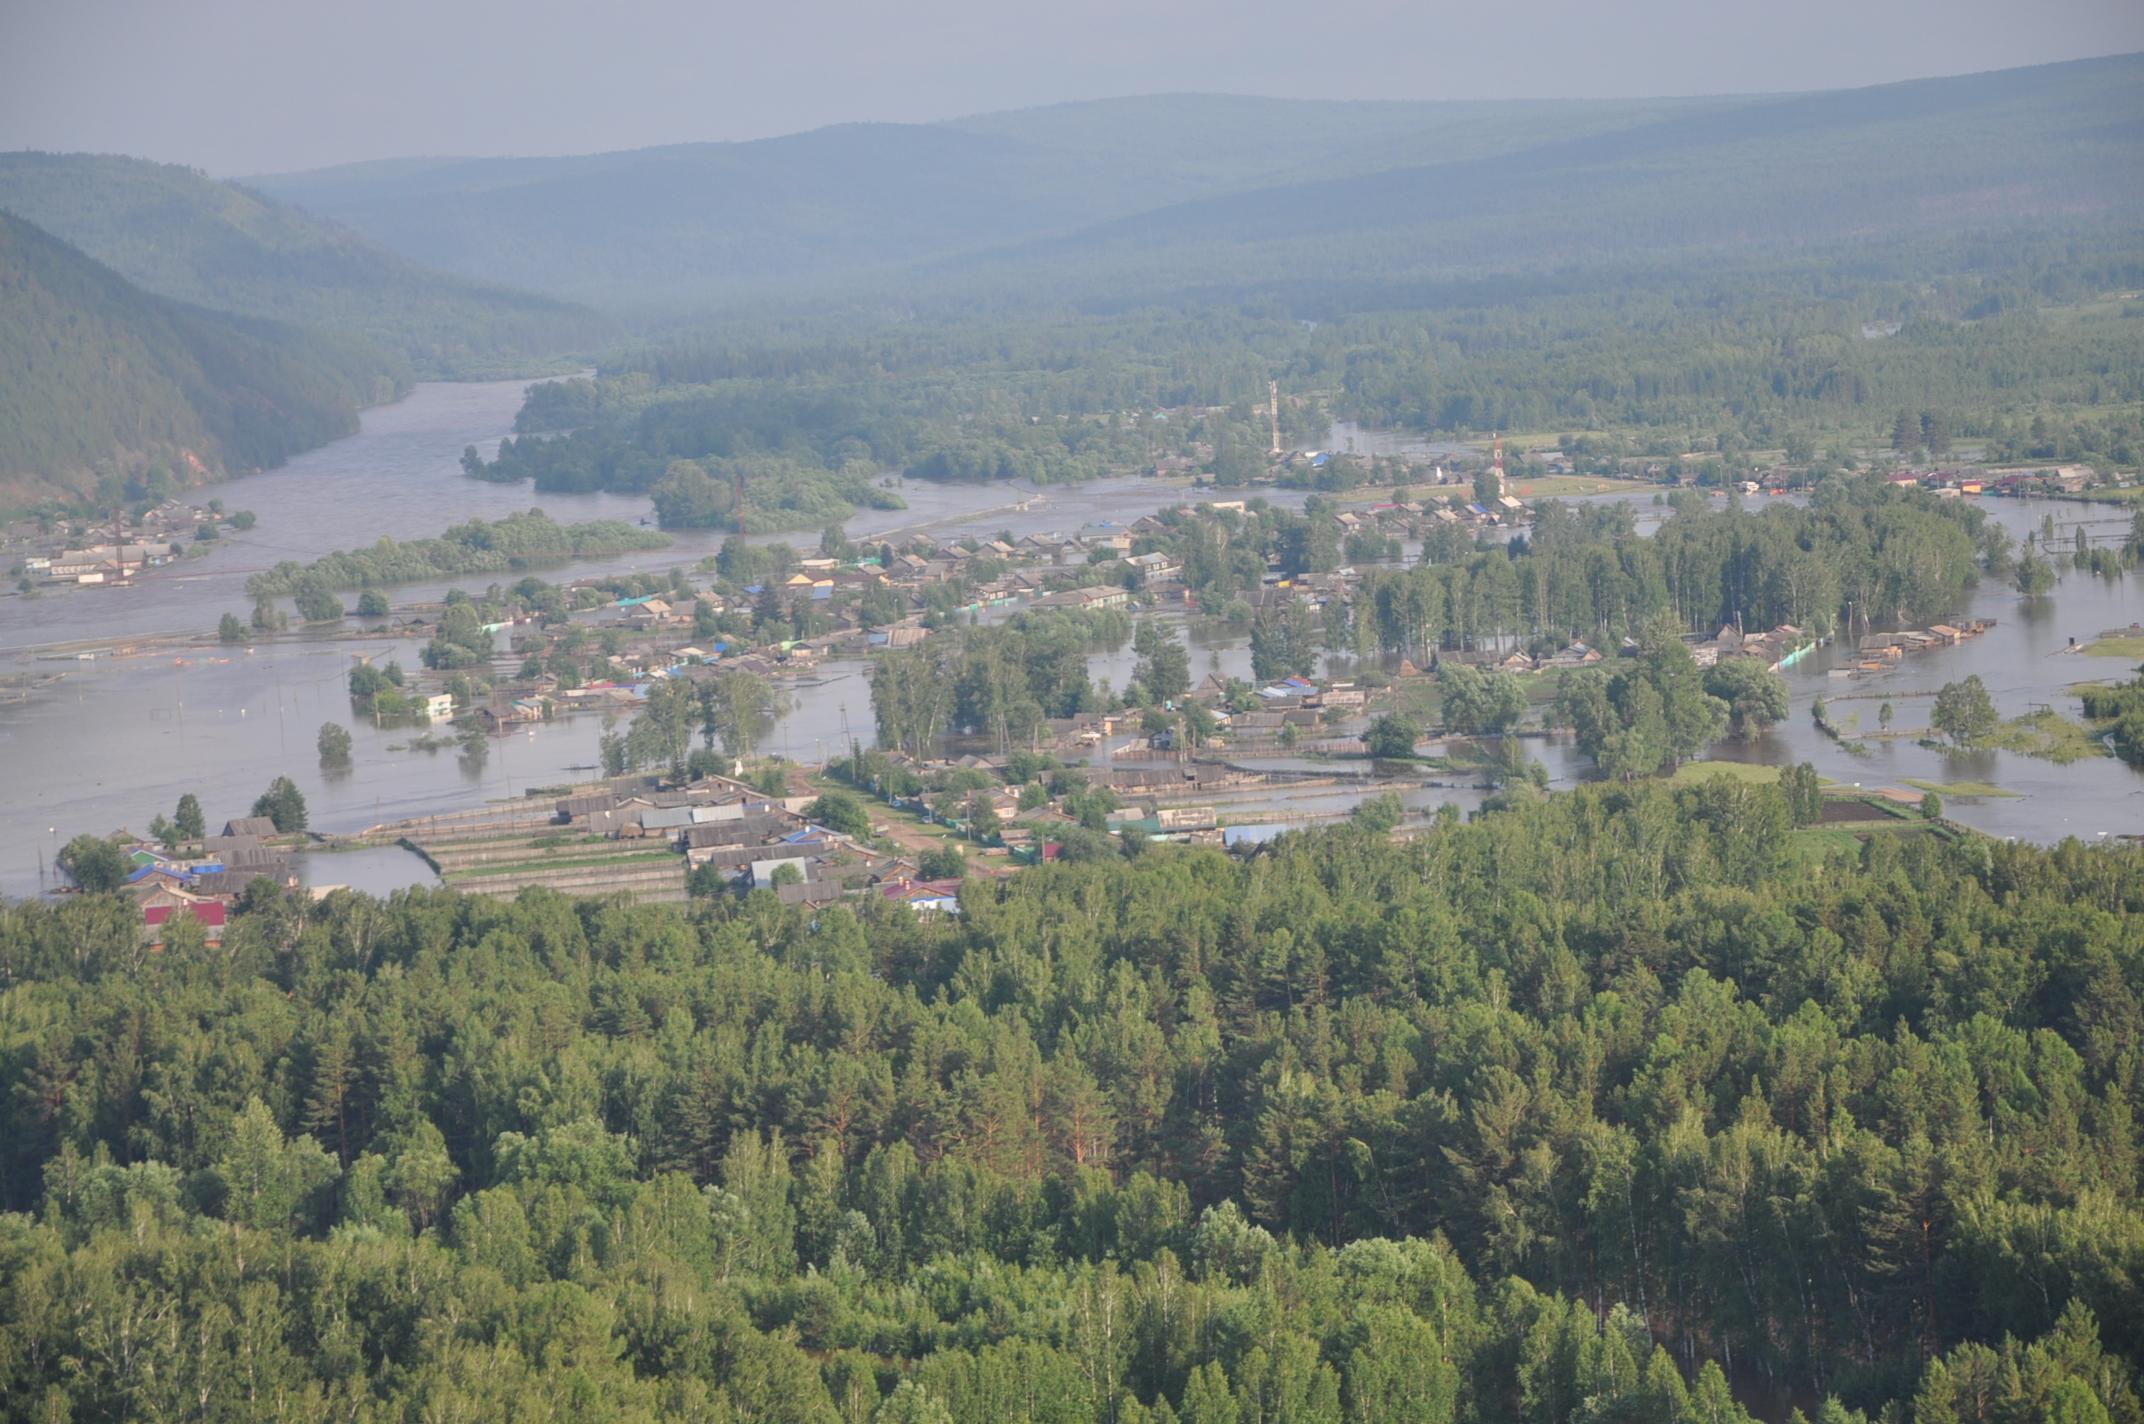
(374, 870)
(122, 737)
(2025, 662)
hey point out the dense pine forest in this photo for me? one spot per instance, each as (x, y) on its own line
(1596, 1108)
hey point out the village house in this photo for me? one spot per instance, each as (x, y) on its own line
(1154, 568)
(1092, 596)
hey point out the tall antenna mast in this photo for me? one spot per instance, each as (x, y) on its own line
(1498, 463)
(1273, 408)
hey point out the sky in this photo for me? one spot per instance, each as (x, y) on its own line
(256, 86)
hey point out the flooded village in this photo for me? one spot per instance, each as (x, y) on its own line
(495, 732)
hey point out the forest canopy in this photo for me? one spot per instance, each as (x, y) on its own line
(1546, 1116)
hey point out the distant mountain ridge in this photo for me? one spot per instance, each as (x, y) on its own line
(2055, 141)
(728, 220)
(180, 234)
(110, 393)
(1162, 193)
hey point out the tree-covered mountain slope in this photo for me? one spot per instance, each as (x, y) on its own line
(178, 233)
(107, 391)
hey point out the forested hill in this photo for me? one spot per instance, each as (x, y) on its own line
(109, 393)
(1177, 192)
(178, 233)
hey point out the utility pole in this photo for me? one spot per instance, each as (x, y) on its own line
(1273, 410)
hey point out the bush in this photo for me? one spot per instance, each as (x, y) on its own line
(318, 604)
(95, 863)
(945, 863)
(1392, 737)
(1379, 815)
(1964, 712)
(283, 804)
(840, 811)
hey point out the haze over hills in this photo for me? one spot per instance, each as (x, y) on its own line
(177, 233)
(724, 221)
(1852, 171)
(1177, 192)
(110, 392)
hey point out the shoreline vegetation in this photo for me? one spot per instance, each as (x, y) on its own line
(499, 546)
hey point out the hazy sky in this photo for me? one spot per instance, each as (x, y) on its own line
(245, 86)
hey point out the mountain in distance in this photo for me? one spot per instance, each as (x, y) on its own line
(2058, 145)
(723, 221)
(180, 234)
(1149, 198)
(108, 392)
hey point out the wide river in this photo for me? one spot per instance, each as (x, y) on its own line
(121, 737)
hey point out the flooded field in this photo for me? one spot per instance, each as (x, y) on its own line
(122, 739)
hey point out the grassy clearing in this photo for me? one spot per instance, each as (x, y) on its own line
(2129, 646)
(1576, 486)
(1690, 773)
(535, 840)
(1414, 697)
(1979, 790)
(897, 827)
(1418, 698)
(1541, 686)
(1813, 845)
(2049, 736)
